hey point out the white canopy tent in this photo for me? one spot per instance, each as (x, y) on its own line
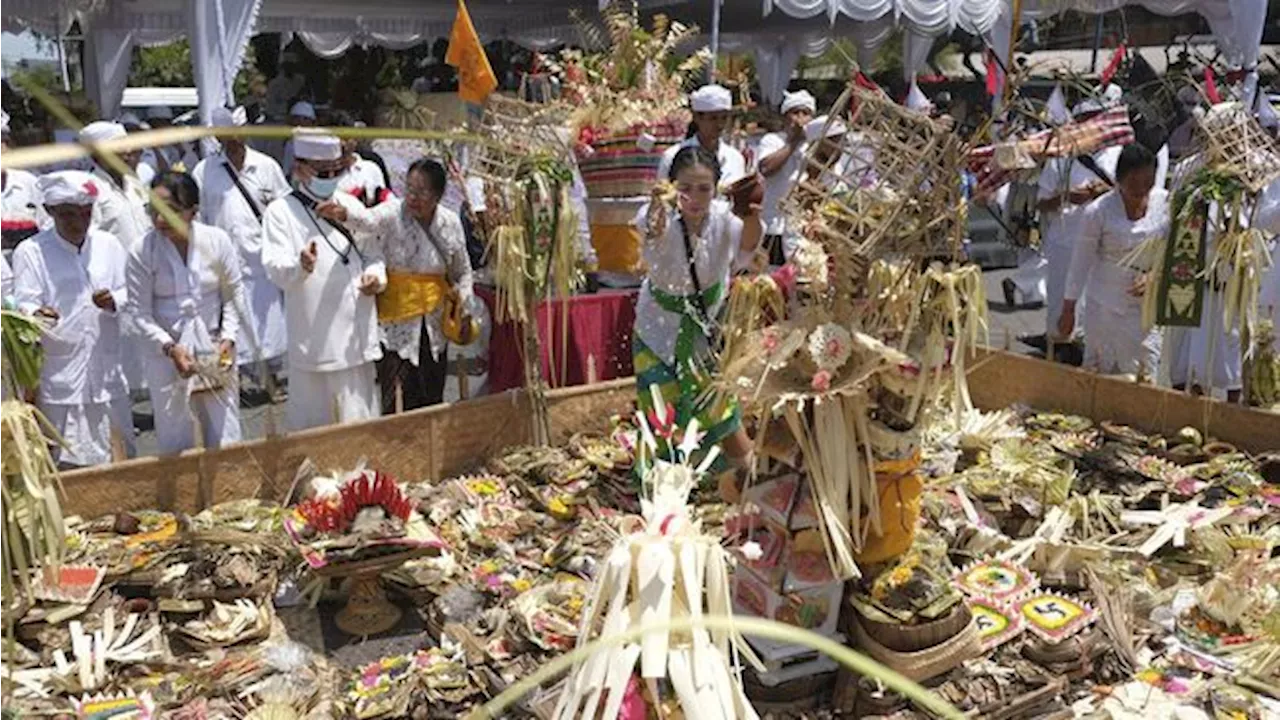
(219, 31)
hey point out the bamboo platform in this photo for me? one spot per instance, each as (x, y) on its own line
(451, 439)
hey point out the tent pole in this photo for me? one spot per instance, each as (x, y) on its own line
(715, 40)
(1097, 43)
(62, 53)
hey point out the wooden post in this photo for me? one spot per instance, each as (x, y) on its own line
(592, 376)
(399, 391)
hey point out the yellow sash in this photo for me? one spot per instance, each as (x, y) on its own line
(410, 295)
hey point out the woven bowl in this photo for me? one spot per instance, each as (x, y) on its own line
(922, 664)
(914, 638)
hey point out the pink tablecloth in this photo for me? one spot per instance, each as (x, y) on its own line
(599, 331)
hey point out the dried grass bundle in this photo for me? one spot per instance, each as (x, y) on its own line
(34, 533)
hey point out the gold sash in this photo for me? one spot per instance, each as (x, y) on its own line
(410, 295)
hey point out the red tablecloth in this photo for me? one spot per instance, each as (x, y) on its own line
(599, 327)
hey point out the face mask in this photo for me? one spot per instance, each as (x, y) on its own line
(322, 188)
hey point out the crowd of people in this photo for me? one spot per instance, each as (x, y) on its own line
(294, 259)
(250, 268)
(1093, 213)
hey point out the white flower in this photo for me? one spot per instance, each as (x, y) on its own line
(810, 261)
(830, 346)
(751, 551)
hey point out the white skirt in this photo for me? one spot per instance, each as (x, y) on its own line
(87, 430)
(1214, 359)
(1057, 265)
(176, 410)
(326, 398)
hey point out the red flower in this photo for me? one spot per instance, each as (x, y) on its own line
(663, 427)
(90, 189)
(821, 381)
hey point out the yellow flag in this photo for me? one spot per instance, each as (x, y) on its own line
(475, 76)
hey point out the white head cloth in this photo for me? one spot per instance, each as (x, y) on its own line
(131, 119)
(303, 109)
(711, 98)
(1056, 107)
(316, 145)
(159, 112)
(4, 122)
(813, 128)
(916, 100)
(225, 117)
(101, 131)
(67, 187)
(796, 100)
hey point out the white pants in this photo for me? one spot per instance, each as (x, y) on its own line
(338, 396)
(176, 411)
(1117, 345)
(1057, 264)
(262, 331)
(87, 430)
(1030, 277)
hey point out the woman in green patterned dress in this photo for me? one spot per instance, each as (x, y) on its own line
(690, 254)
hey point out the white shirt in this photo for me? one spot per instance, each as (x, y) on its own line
(22, 206)
(82, 352)
(120, 211)
(362, 177)
(714, 252)
(166, 291)
(1060, 176)
(777, 184)
(224, 206)
(408, 247)
(1106, 237)
(732, 165)
(6, 281)
(330, 323)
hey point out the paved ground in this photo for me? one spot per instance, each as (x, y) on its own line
(255, 413)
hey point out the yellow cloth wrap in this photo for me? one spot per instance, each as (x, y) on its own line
(899, 516)
(617, 247)
(410, 295)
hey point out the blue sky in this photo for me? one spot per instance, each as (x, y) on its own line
(19, 47)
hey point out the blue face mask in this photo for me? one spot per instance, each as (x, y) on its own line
(322, 188)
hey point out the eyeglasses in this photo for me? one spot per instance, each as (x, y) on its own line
(328, 174)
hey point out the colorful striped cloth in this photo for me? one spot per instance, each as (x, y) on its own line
(1108, 129)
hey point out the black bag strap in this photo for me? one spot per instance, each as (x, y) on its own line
(309, 204)
(693, 275)
(235, 178)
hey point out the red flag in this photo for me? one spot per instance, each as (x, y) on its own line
(993, 75)
(1211, 87)
(1113, 66)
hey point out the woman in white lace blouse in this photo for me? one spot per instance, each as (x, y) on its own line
(426, 253)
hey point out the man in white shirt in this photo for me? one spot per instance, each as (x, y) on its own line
(75, 275)
(121, 210)
(236, 186)
(781, 162)
(712, 106)
(329, 282)
(147, 163)
(21, 211)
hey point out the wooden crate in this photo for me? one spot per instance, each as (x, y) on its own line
(451, 439)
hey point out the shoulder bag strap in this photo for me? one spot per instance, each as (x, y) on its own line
(235, 178)
(693, 274)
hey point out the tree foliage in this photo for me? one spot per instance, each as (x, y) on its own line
(170, 66)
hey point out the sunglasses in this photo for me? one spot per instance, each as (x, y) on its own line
(327, 174)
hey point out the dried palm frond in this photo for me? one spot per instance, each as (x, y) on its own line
(34, 533)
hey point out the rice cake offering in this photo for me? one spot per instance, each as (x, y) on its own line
(996, 579)
(1054, 617)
